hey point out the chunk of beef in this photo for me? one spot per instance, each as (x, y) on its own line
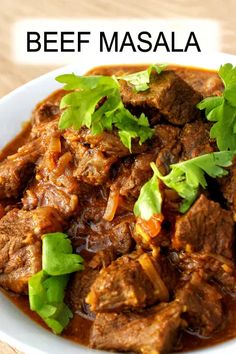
(213, 267)
(48, 109)
(90, 231)
(94, 166)
(205, 82)
(132, 281)
(78, 289)
(195, 140)
(17, 169)
(204, 312)
(45, 113)
(154, 330)
(81, 282)
(168, 96)
(205, 227)
(48, 194)
(54, 184)
(228, 187)
(164, 149)
(20, 244)
(170, 151)
(132, 176)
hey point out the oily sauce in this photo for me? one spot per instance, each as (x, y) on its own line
(79, 327)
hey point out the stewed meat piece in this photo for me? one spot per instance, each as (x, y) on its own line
(205, 227)
(17, 169)
(20, 244)
(169, 97)
(153, 330)
(132, 281)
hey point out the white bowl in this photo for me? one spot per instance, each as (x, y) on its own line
(15, 108)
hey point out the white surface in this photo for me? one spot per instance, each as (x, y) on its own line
(16, 328)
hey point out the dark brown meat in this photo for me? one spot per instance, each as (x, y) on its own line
(54, 184)
(205, 227)
(81, 282)
(204, 312)
(168, 96)
(130, 282)
(154, 330)
(228, 187)
(93, 168)
(20, 244)
(17, 169)
(205, 82)
(195, 140)
(164, 149)
(48, 109)
(213, 267)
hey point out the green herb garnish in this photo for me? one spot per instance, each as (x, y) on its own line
(222, 110)
(97, 104)
(150, 199)
(47, 287)
(185, 178)
(58, 257)
(141, 79)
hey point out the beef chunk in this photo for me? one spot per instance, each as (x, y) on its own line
(213, 267)
(17, 169)
(154, 330)
(205, 82)
(48, 109)
(81, 282)
(45, 113)
(132, 176)
(168, 96)
(132, 281)
(20, 244)
(228, 187)
(94, 166)
(54, 184)
(205, 227)
(195, 140)
(164, 149)
(78, 290)
(48, 194)
(204, 312)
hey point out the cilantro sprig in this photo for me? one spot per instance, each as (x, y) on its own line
(47, 287)
(222, 110)
(96, 103)
(185, 178)
(140, 80)
(150, 199)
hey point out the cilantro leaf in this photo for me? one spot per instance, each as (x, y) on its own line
(57, 255)
(47, 287)
(130, 127)
(46, 294)
(141, 79)
(222, 110)
(150, 199)
(96, 103)
(187, 176)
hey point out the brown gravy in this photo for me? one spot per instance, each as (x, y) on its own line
(79, 327)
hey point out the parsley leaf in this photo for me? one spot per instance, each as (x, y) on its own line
(141, 79)
(46, 294)
(96, 103)
(222, 110)
(57, 255)
(187, 176)
(47, 287)
(150, 199)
